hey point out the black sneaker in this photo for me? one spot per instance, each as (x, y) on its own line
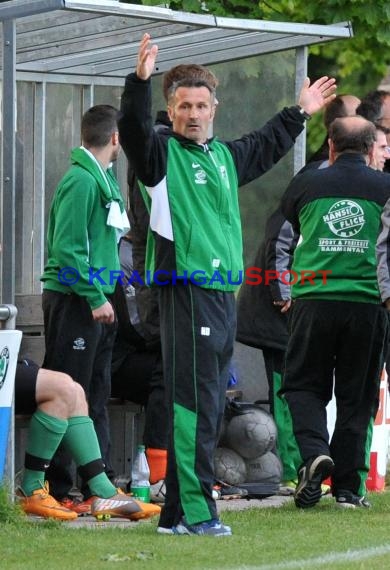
(227, 492)
(310, 477)
(348, 500)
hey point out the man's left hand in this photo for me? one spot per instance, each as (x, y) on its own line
(313, 97)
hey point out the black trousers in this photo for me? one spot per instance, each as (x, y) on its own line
(197, 336)
(82, 348)
(335, 343)
(274, 363)
(139, 378)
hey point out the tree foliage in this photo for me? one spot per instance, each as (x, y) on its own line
(359, 64)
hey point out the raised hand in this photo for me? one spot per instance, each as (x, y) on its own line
(147, 54)
(313, 97)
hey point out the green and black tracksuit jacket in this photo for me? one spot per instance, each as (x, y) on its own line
(337, 324)
(195, 232)
(199, 229)
(338, 221)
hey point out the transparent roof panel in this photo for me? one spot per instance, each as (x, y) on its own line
(100, 38)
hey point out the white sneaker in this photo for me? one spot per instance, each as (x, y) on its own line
(163, 530)
(157, 492)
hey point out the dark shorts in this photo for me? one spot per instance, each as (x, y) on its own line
(25, 386)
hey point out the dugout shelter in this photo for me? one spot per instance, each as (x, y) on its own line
(59, 57)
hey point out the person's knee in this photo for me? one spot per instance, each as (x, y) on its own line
(80, 407)
(66, 391)
(55, 392)
(74, 396)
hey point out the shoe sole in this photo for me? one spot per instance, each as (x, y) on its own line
(232, 496)
(164, 530)
(131, 516)
(183, 531)
(351, 506)
(50, 516)
(308, 491)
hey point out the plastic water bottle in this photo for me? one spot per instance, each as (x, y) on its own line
(140, 486)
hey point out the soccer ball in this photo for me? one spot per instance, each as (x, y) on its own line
(229, 467)
(265, 469)
(252, 433)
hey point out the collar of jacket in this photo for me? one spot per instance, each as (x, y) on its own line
(108, 186)
(190, 143)
(351, 157)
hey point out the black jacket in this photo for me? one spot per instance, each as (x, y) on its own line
(146, 297)
(259, 323)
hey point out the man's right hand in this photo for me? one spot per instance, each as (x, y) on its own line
(146, 58)
(104, 314)
(284, 305)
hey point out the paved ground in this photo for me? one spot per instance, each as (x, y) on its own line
(241, 504)
(223, 505)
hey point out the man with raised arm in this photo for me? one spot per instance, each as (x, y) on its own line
(190, 183)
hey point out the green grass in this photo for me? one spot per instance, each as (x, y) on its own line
(281, 538)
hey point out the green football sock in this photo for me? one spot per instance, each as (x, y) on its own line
(81, 440)
(44, 436)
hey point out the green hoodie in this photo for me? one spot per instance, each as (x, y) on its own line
(78, 236)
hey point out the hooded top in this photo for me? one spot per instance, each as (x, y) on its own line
(78, 235)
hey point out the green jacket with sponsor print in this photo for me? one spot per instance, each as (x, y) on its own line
(337, 212)
(78, 236)
(192, 190)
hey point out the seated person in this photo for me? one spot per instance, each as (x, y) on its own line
(60, 414)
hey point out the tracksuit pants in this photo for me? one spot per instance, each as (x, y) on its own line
(335, 344)
(198, 328)
(82, 348)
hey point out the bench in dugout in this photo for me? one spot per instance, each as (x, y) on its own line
(126, 418)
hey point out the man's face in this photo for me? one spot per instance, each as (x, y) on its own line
(191, 111)
(381, 153)
(115, 153)
(116, 147)
(385, 120)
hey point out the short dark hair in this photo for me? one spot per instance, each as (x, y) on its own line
(371, 105)
(184, 71)
(379, 127)
(98, 124)
(334, 110)
(352, 134)
(189, 82)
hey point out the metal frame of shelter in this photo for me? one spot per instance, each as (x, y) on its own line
(96, 43)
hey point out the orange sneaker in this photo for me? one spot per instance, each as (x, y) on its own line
(122, 505)
(42, 504)
(82, 508)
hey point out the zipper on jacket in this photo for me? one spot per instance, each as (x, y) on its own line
(223, 189)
